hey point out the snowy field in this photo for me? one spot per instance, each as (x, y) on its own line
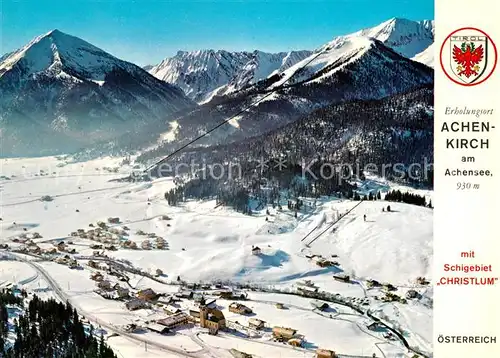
(205, 244)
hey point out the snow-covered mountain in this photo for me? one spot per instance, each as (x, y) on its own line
(410, 39)
(406, 37)
(60, 92)
(350, 68)
(426, 56)
(208, 73)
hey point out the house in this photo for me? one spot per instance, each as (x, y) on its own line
(160, 243)
(159, 272)
(93, 264)
(104, 285)
(146, 245)
(185, 294)
(122, 292)
(389, 287)
(411, 294)
(325, 353)
(239, 308)
(279, 306)
(295, 342)
(226, 294)
(175, 320)
(61, 246)
(256, 250)
(211, 302)
(372, 326)
(127, 244)
(342, 278)
(307, 283)
(256, 323)
(319, 305)
(135, 304)
(325, 263)
(199, 299)
(372, 283)
(194, 312)
(114, 220)
(283, 333)
(213, 319)
(422, 281)
(158, 328)
(147, 294)
(35, 249)
(171, 309)
(307, 289)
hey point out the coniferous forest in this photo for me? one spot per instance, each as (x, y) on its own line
(47, 329)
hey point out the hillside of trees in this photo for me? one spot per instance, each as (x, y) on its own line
(47, 329)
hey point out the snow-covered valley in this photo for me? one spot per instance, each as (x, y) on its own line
(270, 256)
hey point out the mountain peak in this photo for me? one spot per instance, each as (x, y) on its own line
(55, 32)
(407, 37)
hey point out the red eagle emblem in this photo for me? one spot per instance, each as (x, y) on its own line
(468, 58)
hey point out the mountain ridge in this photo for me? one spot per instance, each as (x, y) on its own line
(202, 81)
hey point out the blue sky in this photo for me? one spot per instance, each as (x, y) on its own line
(146, 31)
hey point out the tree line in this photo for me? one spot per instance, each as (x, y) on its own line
(47, 329)
(408, 198)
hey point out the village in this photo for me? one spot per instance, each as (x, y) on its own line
(204, 305)
(245, 284)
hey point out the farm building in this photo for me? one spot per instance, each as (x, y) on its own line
(148, 294)
(256, 323)
(114, 220)
(239, 308)
(157, 328)
(279, 306)
(213, 319)
(175, 320)
(284, 333)
(325, 353)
